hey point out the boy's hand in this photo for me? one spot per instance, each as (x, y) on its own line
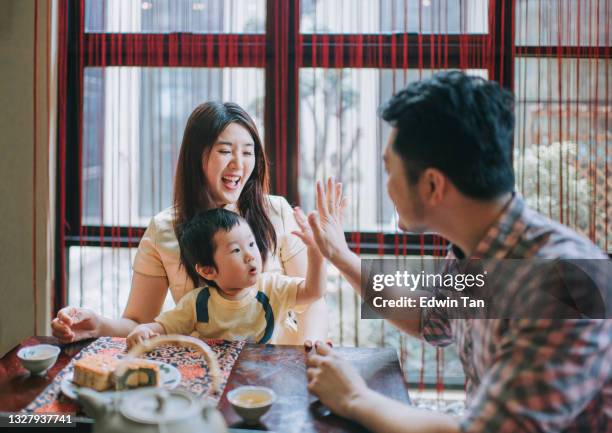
(305, 233)
(139, 334)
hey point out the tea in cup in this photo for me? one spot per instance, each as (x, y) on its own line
(251, 402)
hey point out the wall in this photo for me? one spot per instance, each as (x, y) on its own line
(27, 168)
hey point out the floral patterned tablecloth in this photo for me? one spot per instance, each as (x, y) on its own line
(190, 363)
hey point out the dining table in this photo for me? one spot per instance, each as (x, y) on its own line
(281, 368)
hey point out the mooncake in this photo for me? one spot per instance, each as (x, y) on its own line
(95, 372)
(101, 373)
(136, 374)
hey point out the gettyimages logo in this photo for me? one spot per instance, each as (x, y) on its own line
(495, 289)
(411, 281)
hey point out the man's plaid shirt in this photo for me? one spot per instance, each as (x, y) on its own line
(531, 375)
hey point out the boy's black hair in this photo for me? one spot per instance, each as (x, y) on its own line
(462, 125)
(196, 240)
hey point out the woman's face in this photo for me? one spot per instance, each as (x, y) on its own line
(229, 164)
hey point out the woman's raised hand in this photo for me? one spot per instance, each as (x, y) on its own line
(74, 324)
(326, 222)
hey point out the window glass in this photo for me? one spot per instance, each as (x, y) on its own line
(393, 16)
(168, 16)
(563, 22)
(134, 121)
(563, 139)
(342, 135)
(100, 277)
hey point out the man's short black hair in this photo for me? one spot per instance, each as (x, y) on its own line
(196, 239)
(460, 124)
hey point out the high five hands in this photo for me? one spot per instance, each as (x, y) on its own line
(330, 377)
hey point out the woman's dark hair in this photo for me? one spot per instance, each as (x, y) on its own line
(462, 125)
(196, 239)
(191, 190)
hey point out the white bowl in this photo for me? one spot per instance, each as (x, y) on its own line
(38, 359)
(251, 402)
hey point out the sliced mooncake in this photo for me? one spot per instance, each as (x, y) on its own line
(95, 372)
(136, 374)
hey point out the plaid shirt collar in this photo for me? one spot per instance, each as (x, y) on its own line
(502, 236)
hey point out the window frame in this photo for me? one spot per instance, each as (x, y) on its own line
(282, 36)
(282, 41)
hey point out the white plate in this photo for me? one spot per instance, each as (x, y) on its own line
(169, 377)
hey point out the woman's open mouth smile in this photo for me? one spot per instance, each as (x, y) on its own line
(231, 182)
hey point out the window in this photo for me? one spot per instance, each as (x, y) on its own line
(312, 73)
(562, 23)
(143, 111)
(562, 84)
(394, 16)
(341, 134)
(170, 16)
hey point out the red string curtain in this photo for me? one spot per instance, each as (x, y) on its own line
(564, 134)
(314, 72)
(356, 54)
(141, 68)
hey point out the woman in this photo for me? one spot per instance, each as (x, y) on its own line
(221, 164)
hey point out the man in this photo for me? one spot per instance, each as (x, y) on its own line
(449, 169)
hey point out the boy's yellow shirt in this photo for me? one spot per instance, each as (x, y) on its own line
(255, 317)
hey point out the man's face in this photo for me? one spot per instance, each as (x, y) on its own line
(404, 196)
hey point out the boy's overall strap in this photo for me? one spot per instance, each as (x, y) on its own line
(202, 311)
(265, 303)
(202, 305)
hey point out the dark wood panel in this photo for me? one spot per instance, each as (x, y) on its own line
(17, 387)
(282, 368)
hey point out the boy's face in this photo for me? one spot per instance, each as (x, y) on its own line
(237, 259)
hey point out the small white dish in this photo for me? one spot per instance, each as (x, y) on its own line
(39, 358)
(169, 377)
(251, 402)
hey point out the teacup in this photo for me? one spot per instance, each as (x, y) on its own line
(39, 358)
(251, 402)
